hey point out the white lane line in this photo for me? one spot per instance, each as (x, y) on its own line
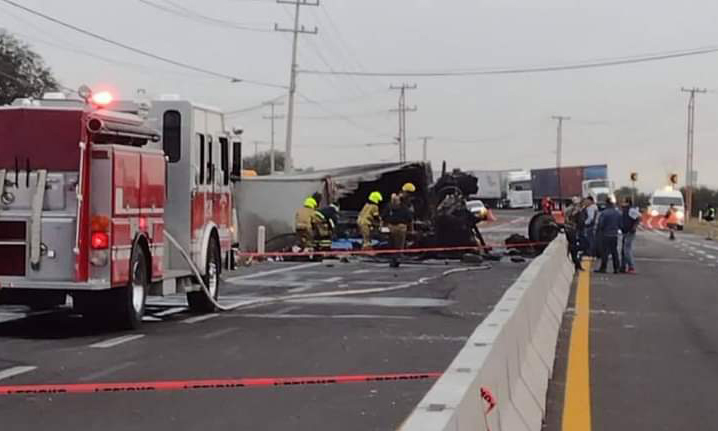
(274, 271)
(14, 371)
(219, 333)
(112, 342)
(332, 279)
(324, 316)
(710, 256)
(169, 311)
(200, 318)
(700, 251)
(362, 271)
(106, 371)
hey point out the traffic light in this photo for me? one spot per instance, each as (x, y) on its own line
(673, 179)
(634, 176)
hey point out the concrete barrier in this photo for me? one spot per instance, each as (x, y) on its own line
(509, 357)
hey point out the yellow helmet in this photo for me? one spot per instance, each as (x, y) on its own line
(310, 202)
(408, 187)
(375, 197)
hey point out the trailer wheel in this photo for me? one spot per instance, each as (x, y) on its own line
(198, 301)
(131, 301)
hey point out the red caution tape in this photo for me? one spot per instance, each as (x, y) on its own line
(487, 396)
(386, 251)
(181, 385)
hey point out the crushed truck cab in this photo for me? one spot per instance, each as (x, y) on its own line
(108, 205)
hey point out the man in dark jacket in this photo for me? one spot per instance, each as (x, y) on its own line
(609, 224)
(629, 226)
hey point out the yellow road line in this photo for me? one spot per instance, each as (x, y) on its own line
(577, 399)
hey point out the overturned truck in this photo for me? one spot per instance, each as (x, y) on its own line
(271, 201)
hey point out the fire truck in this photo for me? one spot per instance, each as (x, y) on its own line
(108, 202)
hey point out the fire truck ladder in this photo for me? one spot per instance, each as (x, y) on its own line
(3, 173)
(38, 199)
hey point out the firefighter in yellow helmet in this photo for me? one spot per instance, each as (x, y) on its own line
(305, 222)
(369, 218)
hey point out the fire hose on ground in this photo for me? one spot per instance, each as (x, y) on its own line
(285, 298)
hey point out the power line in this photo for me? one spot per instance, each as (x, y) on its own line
(186, 13)
(588, 64)
(342, 116)
(137, 50)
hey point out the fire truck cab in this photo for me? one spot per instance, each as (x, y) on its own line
(110, 204)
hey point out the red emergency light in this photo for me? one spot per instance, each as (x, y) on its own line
(100, 240)
(102, 98)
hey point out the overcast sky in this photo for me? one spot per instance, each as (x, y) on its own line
(632, 117)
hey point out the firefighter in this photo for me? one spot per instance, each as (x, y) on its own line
(331, 216)
(398, 217)
(672, 221)
(369, 218)
(304, 223)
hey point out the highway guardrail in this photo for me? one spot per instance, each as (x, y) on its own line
(499, 379)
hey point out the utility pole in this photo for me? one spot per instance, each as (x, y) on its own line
(424, 147)
(296, 30)
(256, 146)
(559, 143)
(689, 146)
(272, 117)
(402, 110)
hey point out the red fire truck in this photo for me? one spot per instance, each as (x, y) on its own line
(109, 202)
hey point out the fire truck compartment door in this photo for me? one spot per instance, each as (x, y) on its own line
(58, 261)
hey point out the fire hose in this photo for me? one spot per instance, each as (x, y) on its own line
(284, 298)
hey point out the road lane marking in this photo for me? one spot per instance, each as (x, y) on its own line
(219, 333)
(112, 342)
(106, 371)
(271, 272)
(332, 279)
(577, 399)
(14, 371)
(326, 316)
(200, 318)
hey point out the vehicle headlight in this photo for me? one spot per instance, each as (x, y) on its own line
(680, 214)
(654, 213)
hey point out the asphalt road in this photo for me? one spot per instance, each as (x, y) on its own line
(412, 320)
(653, 341)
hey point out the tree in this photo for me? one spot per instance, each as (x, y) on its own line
(260, 162)
(702, 197)
(22, 71)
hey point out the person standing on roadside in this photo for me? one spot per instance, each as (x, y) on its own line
(573, 221)
(629, 226)
(672, 221)
(609, 224)
(589, 226)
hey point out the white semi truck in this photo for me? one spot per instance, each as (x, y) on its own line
(505, 189)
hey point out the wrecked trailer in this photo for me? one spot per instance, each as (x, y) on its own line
(272, 201)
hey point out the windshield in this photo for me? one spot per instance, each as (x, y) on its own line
(54, 146)
(520, 186)
(599, 183)
(667, 201)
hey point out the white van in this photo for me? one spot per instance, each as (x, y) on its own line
(661, 201)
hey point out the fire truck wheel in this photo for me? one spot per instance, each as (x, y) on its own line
(133, 296)
(198, 301)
